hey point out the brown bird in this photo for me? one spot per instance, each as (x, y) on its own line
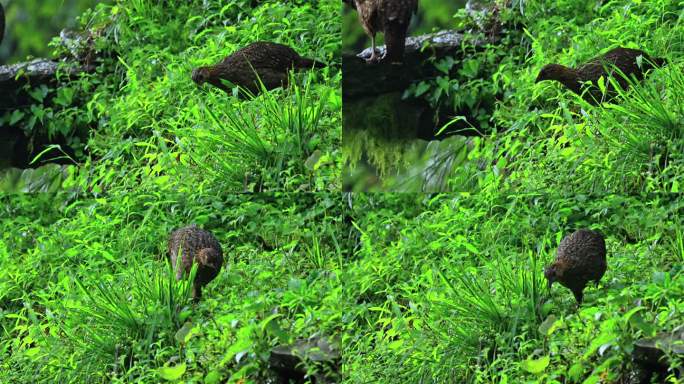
(390, 17)
(581, 258)
(632, 62)
(198, 246)
(270, 61)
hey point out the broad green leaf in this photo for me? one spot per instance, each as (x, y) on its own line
(185, 333)
(213, 377)
(549, 325)
(471, 248)
(32, 351)
(576, 371)
(422, 88)
(39, 93)
(596, 343)
(536, 366)
(567, 151)
(172, 373)
(16, 116)
(396, 344)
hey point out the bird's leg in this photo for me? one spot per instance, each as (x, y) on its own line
(374, 57)
(578, 296)
(196, 293)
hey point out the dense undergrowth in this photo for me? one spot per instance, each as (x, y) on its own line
(85, 292)
(450, 288)
(87, 296)
(539, 136)
(412, 288)
(140, 116)
(419, 288)
(555, 141)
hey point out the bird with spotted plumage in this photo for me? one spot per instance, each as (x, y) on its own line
(392, 18)
(581, 258)
(262, 60)
(584, 79)
(195, 246)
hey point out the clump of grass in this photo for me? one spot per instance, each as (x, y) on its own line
(487, 310)
(127, 322)
(641, 135)
(276, 131)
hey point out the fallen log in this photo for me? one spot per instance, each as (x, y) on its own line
(363, 79)
(19, 144)
(35, 73)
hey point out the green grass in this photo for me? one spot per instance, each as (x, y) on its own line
(414, 287)
(624, 147)
(140, 116)
(542, 136)
(268, 133)
(87, 294)
(453, 289)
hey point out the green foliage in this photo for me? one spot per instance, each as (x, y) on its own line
(138, 116)
(272, 134)
(87, 295)
(551, 139)
(32, 23)
(450, 288)
(417, 288)
(133, 319)
(542, 136)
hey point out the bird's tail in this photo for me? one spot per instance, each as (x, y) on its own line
(304, 62)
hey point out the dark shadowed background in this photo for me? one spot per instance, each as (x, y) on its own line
(31, 24)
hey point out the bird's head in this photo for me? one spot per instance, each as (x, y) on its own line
(209, 257)
(552, 72)
(550, 274)
(200, 75)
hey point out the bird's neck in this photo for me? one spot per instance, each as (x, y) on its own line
(570, 78)
(215, 76)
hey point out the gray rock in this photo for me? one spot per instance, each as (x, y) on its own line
(653, 355)
(288, 361)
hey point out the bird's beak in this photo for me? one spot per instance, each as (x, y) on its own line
(539, 78)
